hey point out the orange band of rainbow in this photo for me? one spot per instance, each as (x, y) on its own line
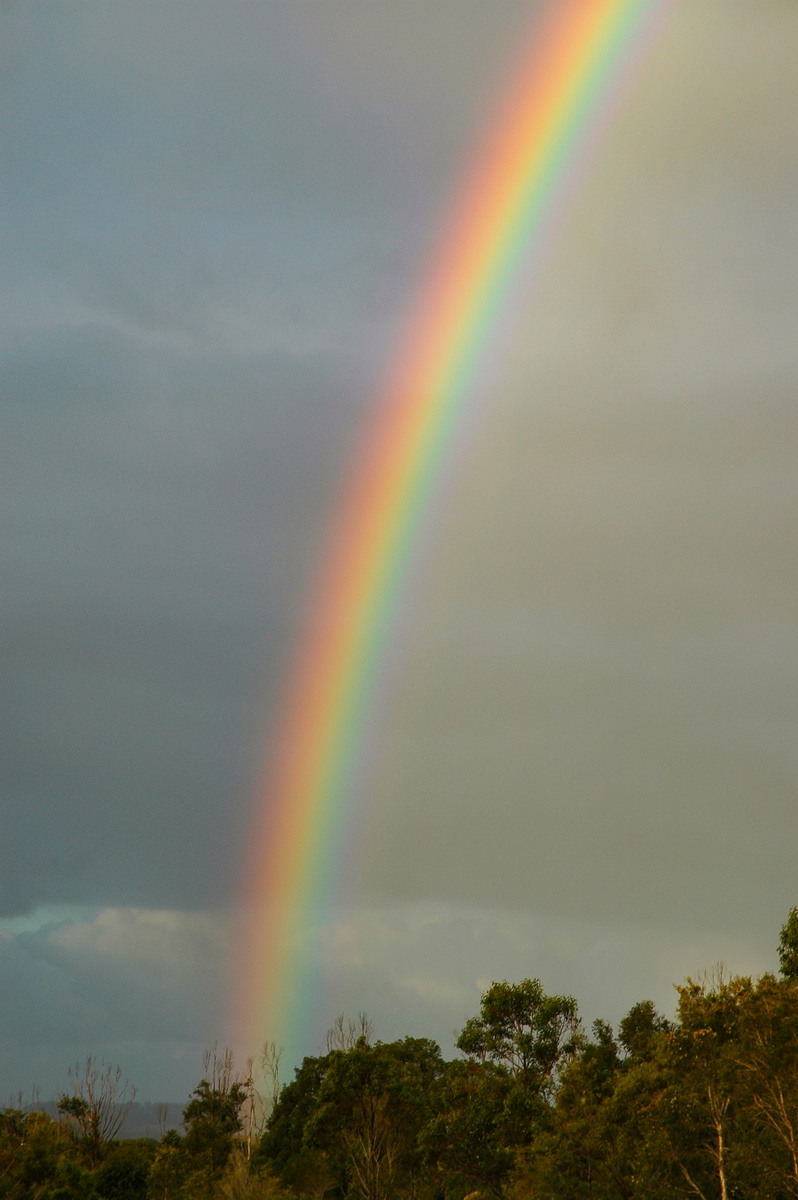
(544, 127)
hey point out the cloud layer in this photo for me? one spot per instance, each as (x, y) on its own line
(583, 763)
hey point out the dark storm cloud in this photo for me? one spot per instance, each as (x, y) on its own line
(203, 211)
(164, 164)
(158, 529)
(214, 218)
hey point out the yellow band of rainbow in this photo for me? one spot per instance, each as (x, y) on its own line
(545, 124)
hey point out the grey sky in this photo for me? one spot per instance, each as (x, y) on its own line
(585, 768)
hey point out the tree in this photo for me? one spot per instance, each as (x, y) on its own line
(95, 1111)
(346, 1034)
(284, 1146)
(40, 1161)
(768, 1056)
(788, 946)
(34, 1150)
(373, 1103)
(530, 1034)
(467, 1141)
(716, 1142)
(239, 1182)
(168, 1169)
(212, 1118)
(575, 1154)
(125, 1171)
(640, 1029)
(263, 1090)
(495, 1105)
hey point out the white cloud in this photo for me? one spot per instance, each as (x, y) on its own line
(166, 938)
(144, 988)
(420, 968)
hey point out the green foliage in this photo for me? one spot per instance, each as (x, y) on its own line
(351, 1122)
(212, 1120)
(38, 1159)
(373, 1103)
(284, 1146)
(240, 1182)
(70, 1181)
(468, 1145)
(125, 1171)
(703, 1106)
(639, 1030)
(167, 1171)
(788, 946)
(527, 1032)
(95, 1111)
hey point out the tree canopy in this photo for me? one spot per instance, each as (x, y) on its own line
(536, 1107)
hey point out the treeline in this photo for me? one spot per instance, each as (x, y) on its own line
(704, 1106)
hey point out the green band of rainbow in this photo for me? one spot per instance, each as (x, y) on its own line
(505, 210)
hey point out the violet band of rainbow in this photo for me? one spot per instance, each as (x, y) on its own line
(545, 126)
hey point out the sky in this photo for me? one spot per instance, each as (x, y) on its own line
(583, 768)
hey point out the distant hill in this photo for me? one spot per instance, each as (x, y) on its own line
(152, 1120)
(144, 1119)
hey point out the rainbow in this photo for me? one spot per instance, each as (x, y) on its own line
(573, 69)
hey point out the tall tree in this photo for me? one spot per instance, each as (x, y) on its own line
(95, 1111)
(37, 1156)
(373, 1104)
(530, 1034)
(768, 1057)
(469, 1141)
(212, 1119)
(788, 946)
(263, 1090)
(345, 1034)
(284, 1146)
(640, 1030)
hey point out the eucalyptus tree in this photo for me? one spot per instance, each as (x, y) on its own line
(94, 1110)
(523, 1030)
(374, 1103)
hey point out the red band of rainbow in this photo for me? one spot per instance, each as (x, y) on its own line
(570, 74)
